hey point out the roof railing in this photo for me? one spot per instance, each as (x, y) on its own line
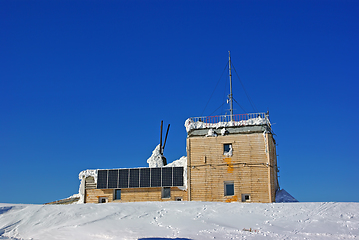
(227, 118)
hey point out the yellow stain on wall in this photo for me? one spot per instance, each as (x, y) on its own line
(232, 199)
(229, 164)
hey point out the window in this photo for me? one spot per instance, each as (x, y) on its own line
(117, 195)
(166, 192)
(228, 188)
(102, 200)
(178, 198)
(227, 149)
(246, 197)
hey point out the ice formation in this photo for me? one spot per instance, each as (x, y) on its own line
(211, 133)
(230, 152)
(156, 158)
(190, 124)
(82, 176)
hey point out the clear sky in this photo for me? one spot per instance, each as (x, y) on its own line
(85, 85)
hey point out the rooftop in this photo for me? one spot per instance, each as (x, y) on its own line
(221, 121)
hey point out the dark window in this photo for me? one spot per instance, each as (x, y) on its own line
(166, 192)
(117, 194)
(228, 189)
(227, 149)
(246, 197)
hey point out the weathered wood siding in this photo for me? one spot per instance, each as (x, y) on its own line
(134, 195)
(250, 168)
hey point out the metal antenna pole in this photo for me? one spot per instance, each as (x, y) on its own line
(230, 87)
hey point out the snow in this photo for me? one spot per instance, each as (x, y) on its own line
(82, 176)
(283, 196)
(190, 124)
(211, 133)
(184, 220)
(230, 152)
(156, 158)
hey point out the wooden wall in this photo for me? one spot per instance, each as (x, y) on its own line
(134, 195)
(250, 167)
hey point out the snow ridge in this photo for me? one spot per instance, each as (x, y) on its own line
(171, 220)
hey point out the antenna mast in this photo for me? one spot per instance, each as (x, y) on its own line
(230, 88)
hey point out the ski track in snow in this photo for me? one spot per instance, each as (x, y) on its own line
(180, 220)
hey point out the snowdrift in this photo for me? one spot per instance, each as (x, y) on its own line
(282, 196)
(180, 220)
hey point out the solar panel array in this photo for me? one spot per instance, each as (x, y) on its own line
(140, 177)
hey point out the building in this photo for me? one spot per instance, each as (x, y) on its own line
(229, 158)
(134, 185)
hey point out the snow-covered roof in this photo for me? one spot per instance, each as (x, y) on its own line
(215, 122)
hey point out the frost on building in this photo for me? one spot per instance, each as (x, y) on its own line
(229, 159)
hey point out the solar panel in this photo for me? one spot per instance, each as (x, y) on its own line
(145, 177)
(134, 178)
(178, 176)
(102, 179)
(155, 177)
(112, 178)
(140, 177)
(167, 177)
(123, 178)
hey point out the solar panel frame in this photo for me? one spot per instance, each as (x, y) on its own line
(178, 176)
(140, 178)
(156, 177)
(112, 178)
(134, 179)
(167, 177)
(145, 177)
(123, 175)
(102, 179)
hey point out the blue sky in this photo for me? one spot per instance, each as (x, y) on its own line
(85, 85)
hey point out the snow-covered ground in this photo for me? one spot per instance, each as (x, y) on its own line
(180, 220)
